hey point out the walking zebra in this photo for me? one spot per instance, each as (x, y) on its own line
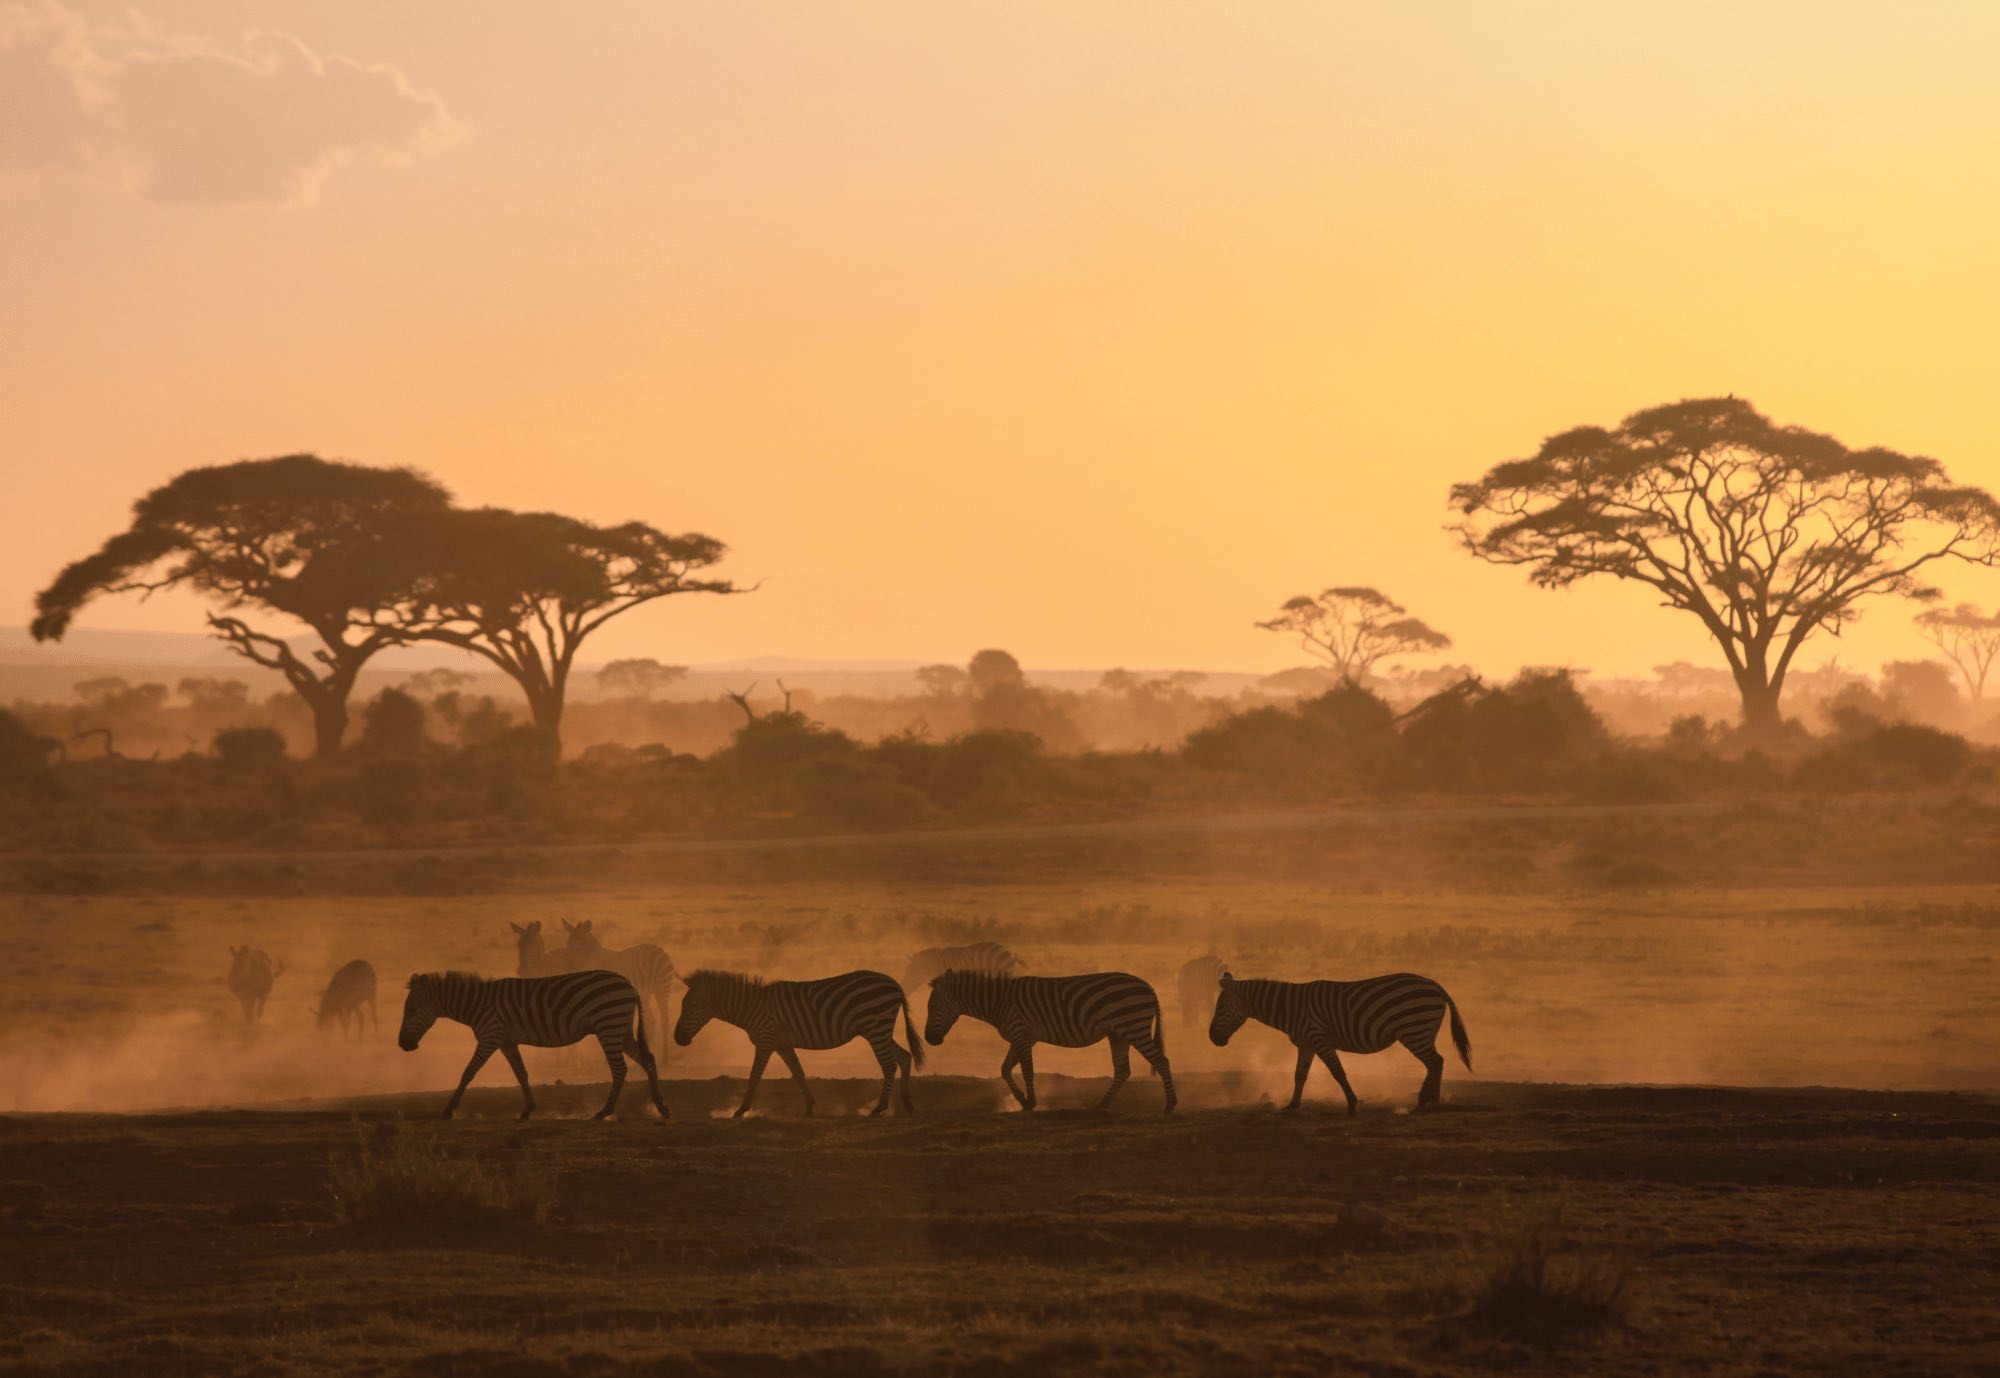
(646, 966)
(1325, 1018)
(783, 1016)
(351, 987)
(1068, 1011)
(542, 1012)
(932, 961)
(1198, 989)
(251, 973)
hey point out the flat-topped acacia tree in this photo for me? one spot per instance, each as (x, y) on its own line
(523, 590)
(1768, 534)
(288, 536)
(1354, 629)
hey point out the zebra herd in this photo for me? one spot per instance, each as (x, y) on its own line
(552, 1005)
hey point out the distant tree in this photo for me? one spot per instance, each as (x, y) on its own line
(279, 536)
(1355, 629)
(393, 724)
(1683, 678)
(524, 590)
(115, 696)
(942, 681)
(435, 682)
(206, 693)
(1922, 691)
(1767, 534)
(248, 748)
(1971, 639)
(991, 670)
(638, 678)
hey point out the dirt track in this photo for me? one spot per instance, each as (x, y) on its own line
(1823, 1231)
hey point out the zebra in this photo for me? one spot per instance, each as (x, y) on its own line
(783, 1016)
(646, 966)
(1068, 1011)
(532, 956)
(542, 1012)
(1324, 1017)
(351, 987)
(251, 973)
(1198, 986)
(926, 965)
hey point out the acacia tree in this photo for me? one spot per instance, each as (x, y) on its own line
(1970, 638)
(1768, 534)
(638, 678)
(281, 536)
(1355, 629)
(523, 590)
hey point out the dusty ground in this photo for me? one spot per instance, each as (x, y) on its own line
(1764, 1231)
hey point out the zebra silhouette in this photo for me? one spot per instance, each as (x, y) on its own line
(646, 966)
(251, 975)
(351, 987)
(1068, 1011)
(541, 1012)
(1326, 1018)
(926, 965)
(532, 956)
(1198, 989)
(783, 1016)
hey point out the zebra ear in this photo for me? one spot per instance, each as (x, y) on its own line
(568, 927)
(1227, 979)
(517, 928)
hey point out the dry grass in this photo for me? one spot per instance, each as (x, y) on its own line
(1539, 1282)
(403, 1176)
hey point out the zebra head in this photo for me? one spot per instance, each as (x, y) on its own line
(947, 1004)
(421, 1008)
(1230, 1012)
(581, 938)
(701, 1001)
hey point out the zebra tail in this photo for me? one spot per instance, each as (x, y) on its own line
(639, 1026)
(1159, 1033)
(1458, 1036)
(910, 1035)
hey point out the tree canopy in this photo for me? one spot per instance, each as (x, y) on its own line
(1768, 534)
(1970, 637)
(287, 535)
(1354, 628)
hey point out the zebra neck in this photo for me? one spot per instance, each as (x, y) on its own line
(1263, 998)
(980, 997)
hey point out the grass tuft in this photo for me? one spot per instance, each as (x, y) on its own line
(404, 1176)
(1538, 1283)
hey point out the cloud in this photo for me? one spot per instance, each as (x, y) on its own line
(185, 120)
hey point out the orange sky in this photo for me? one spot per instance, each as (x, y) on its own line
(1088, 330)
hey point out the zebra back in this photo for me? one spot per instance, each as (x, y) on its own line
(541, 1011)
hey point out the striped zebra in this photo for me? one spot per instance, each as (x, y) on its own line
(1068, 1011)
(1198, 980)
(1325, 1018)
(541, 1012)
(646, 966)
(351, 987)
(532, 956)
(783, 1016)
(927, 965)
(251, 974)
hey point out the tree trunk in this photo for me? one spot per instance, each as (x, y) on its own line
(546, 707)
(329, 726)
(1761, 719)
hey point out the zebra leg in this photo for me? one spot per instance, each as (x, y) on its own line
(643, 1055)
(1155, 1054)
(615, 1056)
(1433, 1062)
(1007, 1075)
(887, 1054)
(904, 1057)
(1299, 1075)
(1331, 1057)
(756, 1075)
(1121, 1070)
(1028, 1074)
(791, 1057)
(513, 1055)
(479, 1056)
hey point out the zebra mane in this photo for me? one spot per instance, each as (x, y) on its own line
(728, 980)
(963, 975)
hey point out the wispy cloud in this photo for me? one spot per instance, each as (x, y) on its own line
(185, 119)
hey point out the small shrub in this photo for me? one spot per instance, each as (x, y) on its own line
(406, 1177)
(249, 748)
(1540, 1284)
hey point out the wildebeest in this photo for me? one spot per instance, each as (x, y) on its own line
(1200, 983)
(989, 957)
(250, 976)
(645, 965)
(351, 987)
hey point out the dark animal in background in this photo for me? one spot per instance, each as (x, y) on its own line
(783, 1016)
(646, 966)
(532, 956)
(251, 973)
(1327, 1018)
(1199, 986)
(542, 1012)
(927, 965)
(1068, 1011)
(351, 987)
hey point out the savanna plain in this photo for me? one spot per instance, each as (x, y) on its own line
(1656, 1165)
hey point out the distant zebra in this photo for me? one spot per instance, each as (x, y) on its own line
(783, 1016)
(1068, 1011)
(351, 987)
(251, 973)
(646, 966)
(1198, 982)
(532, 956)
(1325, 1018)
(541, 1012)
(925, 966)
